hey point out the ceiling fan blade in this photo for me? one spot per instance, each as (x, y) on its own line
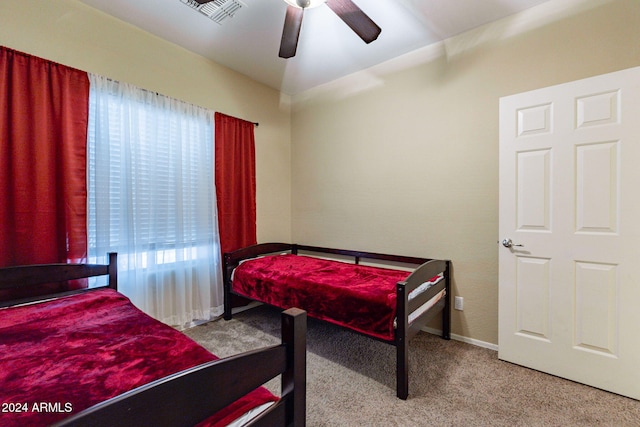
(356, 19)
(291, 31)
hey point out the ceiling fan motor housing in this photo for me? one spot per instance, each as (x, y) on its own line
(305, 4)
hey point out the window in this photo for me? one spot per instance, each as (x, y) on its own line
(152, 199)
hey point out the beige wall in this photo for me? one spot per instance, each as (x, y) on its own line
(73, 34)
(404, 158)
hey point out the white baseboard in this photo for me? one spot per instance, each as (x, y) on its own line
(456, 337)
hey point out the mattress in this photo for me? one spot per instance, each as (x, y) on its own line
(65, 355)
(359, 297)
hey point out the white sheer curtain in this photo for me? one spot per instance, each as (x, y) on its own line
(152, 200)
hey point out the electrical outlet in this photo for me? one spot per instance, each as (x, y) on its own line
(458, 303)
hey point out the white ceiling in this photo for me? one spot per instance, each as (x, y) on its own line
(327, 49)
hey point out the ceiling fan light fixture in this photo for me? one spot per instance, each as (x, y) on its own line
(305, 4)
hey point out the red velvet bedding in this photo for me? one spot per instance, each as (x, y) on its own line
(358, 297)
(60, 357)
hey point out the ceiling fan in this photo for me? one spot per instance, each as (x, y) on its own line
(346, 10)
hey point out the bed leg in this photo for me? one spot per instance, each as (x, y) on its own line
(446, 313)
(294, 379)
(227, 302)
(402, 370)
(226, 285)
(402, 343)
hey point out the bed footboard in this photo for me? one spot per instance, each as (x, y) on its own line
(413, 313)
(188, 397)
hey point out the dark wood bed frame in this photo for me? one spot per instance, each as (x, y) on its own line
(427, 268)
(187, 397)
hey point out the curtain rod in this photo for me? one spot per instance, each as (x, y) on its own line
(256, 124)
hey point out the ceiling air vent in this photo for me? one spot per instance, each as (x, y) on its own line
(217, 10)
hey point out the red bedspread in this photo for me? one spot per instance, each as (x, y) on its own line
(358, 297)
(60, 357)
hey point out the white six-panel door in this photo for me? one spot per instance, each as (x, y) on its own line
(569, 296)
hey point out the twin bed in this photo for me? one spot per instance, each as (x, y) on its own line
(90, 357)
(387, 304)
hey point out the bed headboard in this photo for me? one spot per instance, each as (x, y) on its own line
(33, 275)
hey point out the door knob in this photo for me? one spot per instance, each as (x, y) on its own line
(507, 243)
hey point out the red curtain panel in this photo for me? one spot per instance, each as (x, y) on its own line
(43, 137)
(235, 182)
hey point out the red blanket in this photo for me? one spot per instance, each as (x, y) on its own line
(358, 297)
(60, 357)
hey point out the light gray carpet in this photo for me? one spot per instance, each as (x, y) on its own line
(351, 381)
